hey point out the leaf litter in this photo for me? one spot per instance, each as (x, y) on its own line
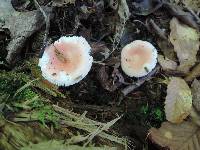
(108, 26)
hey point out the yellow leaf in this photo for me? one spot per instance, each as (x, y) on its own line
(186, 44)
(178, 103)
(166, 63)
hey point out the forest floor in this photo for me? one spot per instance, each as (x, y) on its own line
(107, 110)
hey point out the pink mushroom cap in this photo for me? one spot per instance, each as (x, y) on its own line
(138, 58)
(66, 61)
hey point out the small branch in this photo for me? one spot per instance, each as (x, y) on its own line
(137, 84)
(194, 14)
(154, 28)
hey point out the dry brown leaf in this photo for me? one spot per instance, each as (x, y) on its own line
(184, 136)
(186, 44)
(166, 63)
(194, 73)
(196, 94)
(167, 49)
(178, 101)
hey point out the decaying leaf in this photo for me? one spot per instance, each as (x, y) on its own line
(183, 16)
(21, 25)
(100, 51)
(124, 14)
(21, 30)
(196, 94)
(106, 82)
(6, 11)
(184, 136)
(186, 44)
(167, 49)
(123, 10)
(166, 63)
(178, 101)
(194, 73)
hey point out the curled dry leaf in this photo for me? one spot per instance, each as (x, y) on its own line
(166, 63)
(178, 101)
(196, 94)
(184, 136)
(186, 44)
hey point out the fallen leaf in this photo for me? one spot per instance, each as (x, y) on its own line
(178, 101)
(184, 136)
(183, 16)
(145, 7)
(167, 49)
(123, 10)
(194, 73)
(21, 26)
(196, 94)
(6, 11)
(166, 63)
(186, 44)
(21, 30)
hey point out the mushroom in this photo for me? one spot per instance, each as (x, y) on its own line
(66, 61)
(138, 58)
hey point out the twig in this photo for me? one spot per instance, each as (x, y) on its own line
(194, 14)
(47, 22)
(154, 28)
(137, 84)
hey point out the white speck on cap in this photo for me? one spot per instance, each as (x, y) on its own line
(138, 58)
(67, 61)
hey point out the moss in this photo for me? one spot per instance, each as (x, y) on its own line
(26, 94)
(47, 114)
